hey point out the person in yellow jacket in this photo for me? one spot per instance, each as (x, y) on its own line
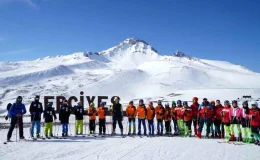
(131, 114)
(141, 112)
(92, 118)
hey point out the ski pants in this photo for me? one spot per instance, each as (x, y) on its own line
(187, 128)
(92, 125)
(227, 129)
(207, 122)
(15, 121)
(195, 125)
(212, 128)
(255, 132)
(159, 126)
(79, 126)
(102, 126)
(175, 125)
(246, 128)
(141, 122)
(131, 121)
(180, 123)
(217, 124)
(65, 128)
(38, 127)
(168, 127)
(48, 128)
(151, 127)
(119, 121)
(232, 131)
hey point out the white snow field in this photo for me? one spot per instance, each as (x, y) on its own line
(132, 69)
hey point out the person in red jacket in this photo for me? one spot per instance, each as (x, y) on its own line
(217, 120)
(225, 118)
(205, 115)
(195, 107)
(254, 117)
(187, 112)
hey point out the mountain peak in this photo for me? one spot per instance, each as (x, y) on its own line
(133, 41)
(183, 55)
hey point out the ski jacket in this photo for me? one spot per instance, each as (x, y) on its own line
(79, 112)
(195, 110)
(150, 113)
(205, 111)
(187, 114)
(130, 111)
(17, 108)
(36, 110)
(179, 114)
(167, 114)
(225, 114)
(235, 113)
(159, 110)
(48, 114)
(141, 112)
(64, 114)
(117, 110)
(217, 112)
(173, 113)
(101, 113)
(254, 117)
(92, 113)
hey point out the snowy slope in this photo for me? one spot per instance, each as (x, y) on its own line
(132, 69)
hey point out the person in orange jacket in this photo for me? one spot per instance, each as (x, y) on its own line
(217, 120)
(167, 119)
(141, 112)
(174, 118)
(102, 118)
(92, 118)
(131, 114)
(195, 107)
(187, 112)
(150, 118)
(225, 119)
(159, 111)
(254, 117)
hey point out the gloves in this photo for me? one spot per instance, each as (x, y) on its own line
(6, 117)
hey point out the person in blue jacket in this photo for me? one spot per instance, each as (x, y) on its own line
(16, 113)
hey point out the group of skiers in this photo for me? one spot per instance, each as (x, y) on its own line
(219, 120)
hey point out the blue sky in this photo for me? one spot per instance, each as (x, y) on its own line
(212, 29)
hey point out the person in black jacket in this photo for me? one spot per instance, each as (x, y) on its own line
(36, 110)
(8, 108)
(48, 115)
(117, 113)
(79, 112)
(64, 116)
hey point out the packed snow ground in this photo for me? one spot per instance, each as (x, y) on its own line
(76, 148)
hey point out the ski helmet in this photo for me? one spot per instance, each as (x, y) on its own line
(150, 103)
(167, 105)
(80, 103)
(218, 101)
(141, 102)
(205, 99)
(234, 102)
(159, 102)
(92, 104)
(255, 104)
(102, 103)
(226, 102)
(131, 102)
(245, 103)
(195, 99)
(37, 97)
(185, 103)
(19, 99)
(173, 102)
(49, 104)
(179, 102)
(65, 101)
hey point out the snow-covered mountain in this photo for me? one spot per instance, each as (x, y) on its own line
(132, 69)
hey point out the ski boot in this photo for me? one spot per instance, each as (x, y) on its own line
(22, 137)
(199, 135)
(38, 135)
(212, 135)
(66, 134)
(63, 134)
(232, 138)
(207, 135)
(256, 142)
(245, 140)
(100, 134)
(240, 139)
(122, 133)
(129, 134)
(51, 135)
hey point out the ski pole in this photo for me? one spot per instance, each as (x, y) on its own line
(16, 128)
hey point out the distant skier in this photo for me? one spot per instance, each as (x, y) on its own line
(8, 108)
(141, 112)
(36, 110)
(236, 115)
(64, 116)
(131, 114)
(16, 113)
(187, 112)
(174, 118)
(92, 118)
(180, 117)
(159, 110)
(48, 115)
(219, 132)
(167, 119)
(225, 117)
(245, 122)
(150, 118)
(102, 118)
(205, 115)
(195, 107)
(79, 114)
(117, 113)
(254, 123)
